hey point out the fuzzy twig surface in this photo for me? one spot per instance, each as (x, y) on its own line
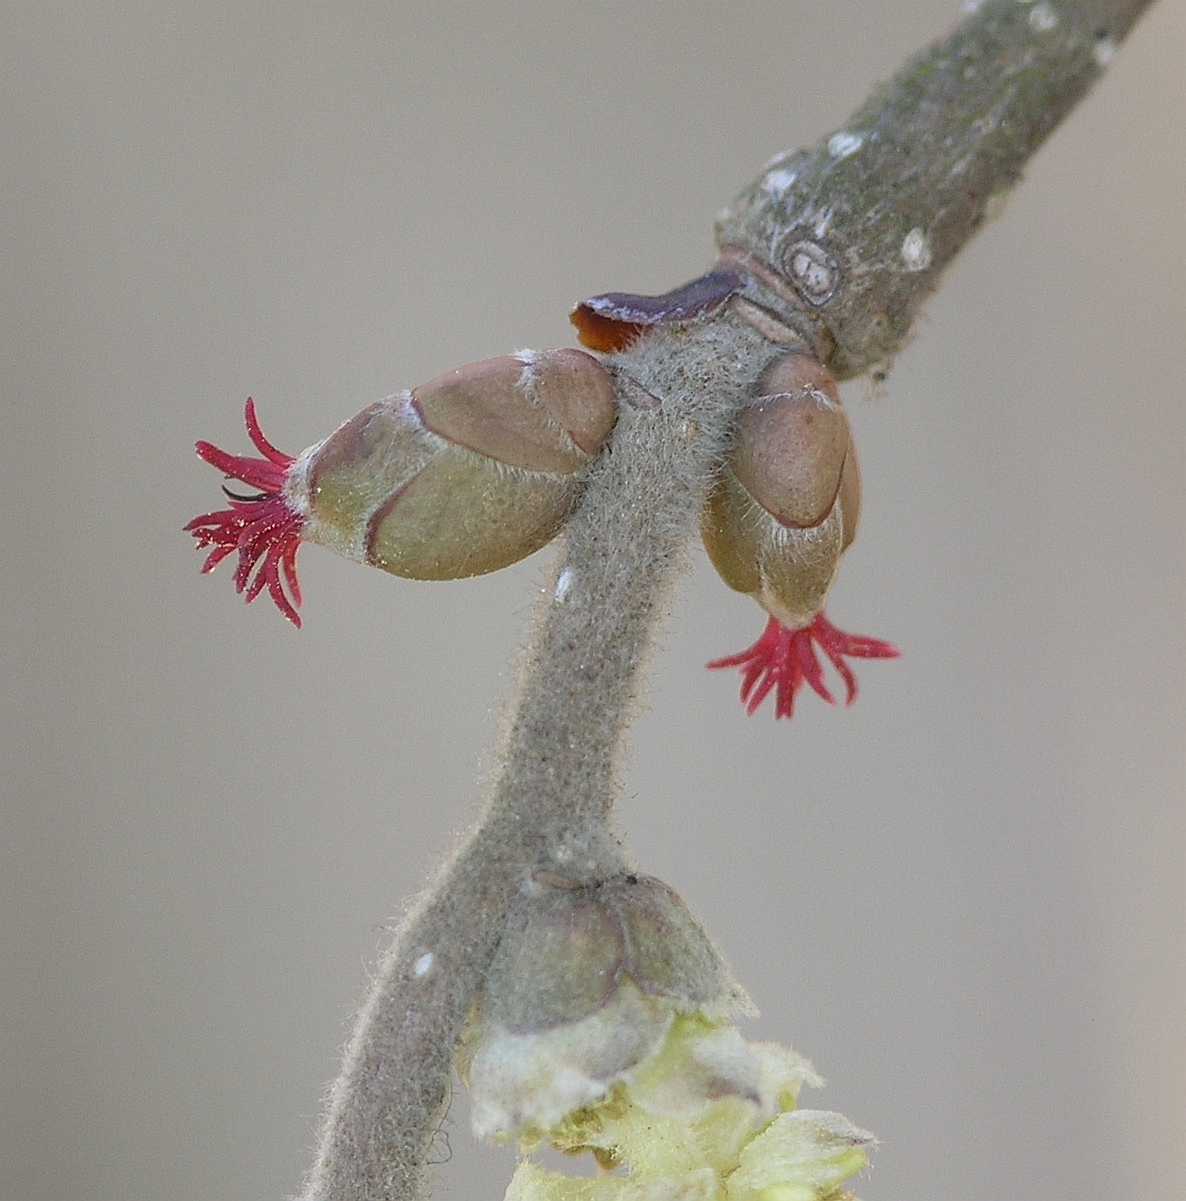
(552, 800)
(839, 246)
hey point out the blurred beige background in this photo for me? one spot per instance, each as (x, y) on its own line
(964, 898)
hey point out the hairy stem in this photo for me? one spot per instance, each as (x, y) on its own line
(953, 129)
(552, 799)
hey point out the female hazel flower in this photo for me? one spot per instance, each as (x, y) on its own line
(783, 511)
(470, 472)
(265, 526)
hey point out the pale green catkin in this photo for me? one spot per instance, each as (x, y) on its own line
(889, 199)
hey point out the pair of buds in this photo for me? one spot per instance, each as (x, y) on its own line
(481, 466)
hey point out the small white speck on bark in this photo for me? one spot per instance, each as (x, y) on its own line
(916, 250)
(1105, 51)
(776, 182)
(844, 143)
(1043, 18)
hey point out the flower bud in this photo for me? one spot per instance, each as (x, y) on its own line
(775, 523)
(782, 513)
(582, 990)
(468, 473)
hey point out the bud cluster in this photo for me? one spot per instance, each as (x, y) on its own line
(481, 466)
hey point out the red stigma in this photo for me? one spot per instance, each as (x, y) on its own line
(264, 527)
(784, 660)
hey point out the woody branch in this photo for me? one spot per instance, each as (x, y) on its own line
(837, 247)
